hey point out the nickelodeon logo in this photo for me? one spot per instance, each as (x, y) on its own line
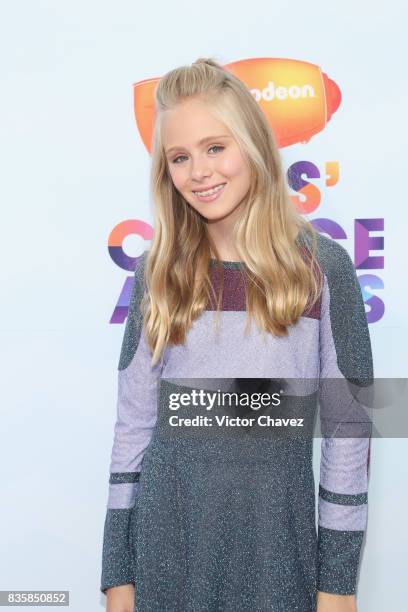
(298, 99)
(281, 92)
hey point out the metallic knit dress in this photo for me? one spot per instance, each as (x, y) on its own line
(217, 518)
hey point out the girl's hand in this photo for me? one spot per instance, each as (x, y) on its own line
(330, 602)
(120, 598)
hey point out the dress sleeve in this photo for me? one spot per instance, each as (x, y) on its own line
(346, 372)
(136, 417)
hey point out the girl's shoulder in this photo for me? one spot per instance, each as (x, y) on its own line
(332, 257)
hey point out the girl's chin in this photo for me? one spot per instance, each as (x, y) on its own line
(214, 211)
(213, 215)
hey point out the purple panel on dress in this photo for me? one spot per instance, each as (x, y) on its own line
(343, 465)
(342, 518)
(230, 354)
(136, 410)
(233, 297)
(122, 495)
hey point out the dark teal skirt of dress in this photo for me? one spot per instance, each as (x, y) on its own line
(225, 522)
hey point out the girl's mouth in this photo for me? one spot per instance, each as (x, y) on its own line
(213, 195)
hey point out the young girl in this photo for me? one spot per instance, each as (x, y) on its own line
(219, 515)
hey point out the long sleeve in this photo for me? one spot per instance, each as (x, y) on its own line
(136, 418)
(346, 372)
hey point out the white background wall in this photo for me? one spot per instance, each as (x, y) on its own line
(73, 166)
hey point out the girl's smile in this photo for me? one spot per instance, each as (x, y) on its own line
(210, 195)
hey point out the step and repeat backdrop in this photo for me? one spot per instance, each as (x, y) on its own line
(77, 121)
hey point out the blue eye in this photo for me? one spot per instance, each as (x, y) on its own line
(213, 147)
(175, 160)
(216, 147)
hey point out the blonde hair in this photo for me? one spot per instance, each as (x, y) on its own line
(280, 273)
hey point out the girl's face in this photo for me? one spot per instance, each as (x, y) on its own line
(201, 153)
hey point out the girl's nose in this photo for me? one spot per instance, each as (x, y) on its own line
(200, 170)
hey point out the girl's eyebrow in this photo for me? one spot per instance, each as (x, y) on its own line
(200, 142)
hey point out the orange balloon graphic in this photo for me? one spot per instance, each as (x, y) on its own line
(298, 99)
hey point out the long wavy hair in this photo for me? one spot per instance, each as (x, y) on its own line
(275, 243)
